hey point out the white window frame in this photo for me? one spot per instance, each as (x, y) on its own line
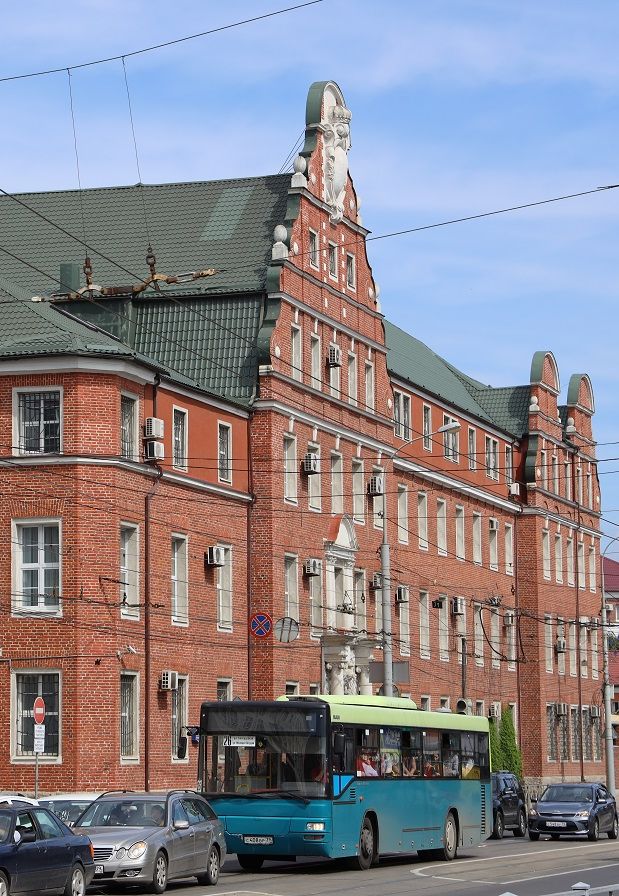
(426, 416)
(358, 491)
(225, 476)
(179, 579)
(460, 539)
(16, 752)
(370, 387)
(16, 427)
(314, 250)
(582, 573)
(335, 376)
(18, 608)
(472, 448)
(131, 396)
(568, 480)
(223, 686)
(451, 441)
(296, 353)
(554, 469)
(572, 647)
(332, 261)
(543, 462)
(129, 573)
(402, 514)
(546, 565)
(509, 464)
(422, 520)
(291, 586)
(314, 482)
(478, 634)
(443, 629)
(353, 379)
(569, 560)
(424, 625)
(378, 502)
(477, 539)
(561, 656)
(509, 549)
(337, 482)
(132, 757)
(495, 637)
(592, 569)
(315, 362)
(441, 526)
(179, 714)
(549, 642)
(224, 586)
(558, 558)
(493, 544)
(359, 591)
(351, 271)
(405, 628)
(316, 606)
(179, 461)
(492, 458)
(402, 415)
(291, 469)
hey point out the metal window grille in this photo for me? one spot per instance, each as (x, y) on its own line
(39, 563)
(179, 449)
(551, 731)
(223, 689)
(39, 422)
(179, 712)
(128, 721)
(333, 261)
(350, 271)
(313, 249)
(127, 427)
(224, 453)
(28, 688)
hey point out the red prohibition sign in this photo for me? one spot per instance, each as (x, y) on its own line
(261, 625)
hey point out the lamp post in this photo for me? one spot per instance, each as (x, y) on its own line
(608, 727)
(385, 570)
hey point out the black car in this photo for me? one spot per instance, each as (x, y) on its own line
(568, 809)
(508, 805)
(39, 852)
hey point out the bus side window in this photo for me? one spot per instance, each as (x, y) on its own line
(411, 754)
(344, 763)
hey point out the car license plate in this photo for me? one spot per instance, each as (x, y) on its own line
(258, 841)
(98, 869)
(556, 824)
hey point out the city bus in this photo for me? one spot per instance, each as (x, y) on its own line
(344, 776)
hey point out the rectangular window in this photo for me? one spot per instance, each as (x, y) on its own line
(129, 718)
(509, 549)
(37, 567)
(472, 448)
(492, 458)
(402, 415)
(427, 427)
(595, 659)
(554, 467)
(224, 689)
(378, 502)
(572, 648)
(451, 447)
(315, 597)
(460, 545)
(129, 572)
(180, 608)
(337, 483)
(424, 624)
(477, 556)
(548, 642)
(509, 464)
(592, 570)
(580, 554)
(551, 731)
(38, 421)
(316, 363)
(369, 387)
(561, 656)
(569, 557)
(179, 713)
(441, 526)
(402, 514)
(495, 638)
(358, 491)
(588, 740)
(223, 584)
(296, 354)
(314, 486)
(543, 462)
(333, 261)
(28, 686)
(291, 587)
(291, 688)
(224, 453)
(584, 656)
(567, 480)
(493, 543)
(291, 472)
(179, 439)
(589, 487)
(546, 553)
(443, 628)
(405, 631)
(351, 273)
(128, 427)
(576, 729)
(511, 647)
(422, 520)
(579, 483)
(478, 635)
(352, 379)
(360, 600)
(335, 374)
(558, 558)
(314, 256)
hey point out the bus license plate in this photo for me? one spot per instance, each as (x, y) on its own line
(258, 841)
(98, 869)
(556, 824)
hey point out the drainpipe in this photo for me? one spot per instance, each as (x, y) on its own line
(249, 589)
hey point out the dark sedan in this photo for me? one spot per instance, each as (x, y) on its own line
(40, 853)
(569, 809)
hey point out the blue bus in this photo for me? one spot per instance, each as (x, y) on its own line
(344, 776)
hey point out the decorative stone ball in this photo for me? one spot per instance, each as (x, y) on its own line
(299, 165)
(280, 233)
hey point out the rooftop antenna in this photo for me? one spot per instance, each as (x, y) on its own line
(87, 262)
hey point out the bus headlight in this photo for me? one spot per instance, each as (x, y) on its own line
(315, 826)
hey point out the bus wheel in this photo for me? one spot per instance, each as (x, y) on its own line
(450, 838)
(250, 863)
(365, 856)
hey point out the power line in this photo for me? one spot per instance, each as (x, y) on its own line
(168, 43)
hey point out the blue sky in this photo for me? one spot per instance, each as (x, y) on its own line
(458, 107)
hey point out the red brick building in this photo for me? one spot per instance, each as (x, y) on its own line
(186, 454)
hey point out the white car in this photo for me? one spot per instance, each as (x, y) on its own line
(17, 799)
(68, 806)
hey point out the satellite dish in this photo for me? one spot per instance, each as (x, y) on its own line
(286, 629)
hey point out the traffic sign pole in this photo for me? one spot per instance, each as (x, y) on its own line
(38, 714)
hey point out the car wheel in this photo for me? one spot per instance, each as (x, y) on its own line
(250, 863)
(533, 835)
(4, 885)
(365, 855)
(76, 884)
(594, 831)
(521, 830)
(160, 873)
(614, 831)
(499, 826)
(450, 838)
(211, 875)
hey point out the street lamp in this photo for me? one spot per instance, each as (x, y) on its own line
(608, 727)
(385, 570)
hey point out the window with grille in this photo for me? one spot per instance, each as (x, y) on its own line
(314, 257)
(427, 427)
(451, 449)
(575, 726)
(296, 370)
(587, 732)
(224, 468)
(180, 609)
(291, 587)
(472, 449)
(333, 261)
(492, 458)
(224, 591)
(128, 427)
(291, 472)
(351, 273)
(129, 575)
(179, 447)
(551, 731)
(38, 422)
(29, 686)
(129, 722)
(179, 713)
(224, 689)
(38, 568)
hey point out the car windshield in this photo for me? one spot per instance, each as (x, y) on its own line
(570, 794)
(5, 825)
(123, 813)
(66, 810)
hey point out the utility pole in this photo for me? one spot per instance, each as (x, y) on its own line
(608, 726)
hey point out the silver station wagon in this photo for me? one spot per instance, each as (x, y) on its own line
(151, 838)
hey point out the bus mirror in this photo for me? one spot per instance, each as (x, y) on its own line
(181, 749)
(339, 743)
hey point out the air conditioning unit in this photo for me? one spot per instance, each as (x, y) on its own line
(401, 594)
(334, 358)
(312, 567)
(437, 603)
(494, 711)
(561, 709)
(458, 606)
(153, 428)
(514, 489)
(594, 712)
(493, 525)
(154, 451)
(377, 582)
(215, 556)
(376, 486)
(509, 618)
(169, 680)
(311, 463)
(464, 706)
(560, 645)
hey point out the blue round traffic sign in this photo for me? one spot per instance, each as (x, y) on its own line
(261, 625)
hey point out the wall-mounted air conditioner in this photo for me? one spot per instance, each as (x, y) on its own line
(377, 582)
(376, 486)
(494, 711)
(312, 567)
(514, 489)
(560, 645)
(168, 681)
(311, 463)
(458, 606)
(334, 357)
(401, 594)
(594, 712)
(154, 451)
(215, 556)
(509, 618)
(561, 709)
(153, 428)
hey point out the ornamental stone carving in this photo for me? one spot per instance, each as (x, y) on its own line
(336, 143)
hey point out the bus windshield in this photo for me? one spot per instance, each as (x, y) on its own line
(275, 751)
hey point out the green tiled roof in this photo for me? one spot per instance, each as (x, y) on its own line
(411, 361)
